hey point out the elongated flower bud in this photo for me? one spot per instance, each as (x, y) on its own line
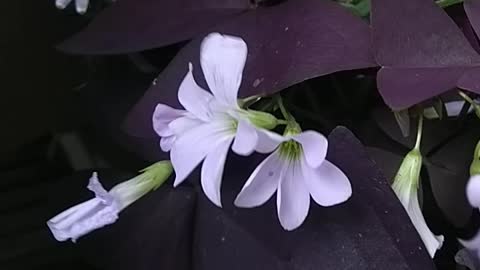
(105, 207)
(406, 185)
(262, 119)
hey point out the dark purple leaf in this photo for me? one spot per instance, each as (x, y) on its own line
(287, 44)
(381, 238)
(472, 9)
(458, 15)
(421, 50)
(470, 80)
(137, 25)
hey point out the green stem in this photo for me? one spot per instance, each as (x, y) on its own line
(466, 97)
(419, 132)
(447, 3)
(284, 111)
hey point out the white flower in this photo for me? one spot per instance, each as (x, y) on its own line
(163, 116)
(211, 122)
(296, 170)
(81, 6)
(473, 191)
(105, 207)
(405, 186)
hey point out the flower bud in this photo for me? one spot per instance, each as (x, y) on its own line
(262, 119)
(405, 187)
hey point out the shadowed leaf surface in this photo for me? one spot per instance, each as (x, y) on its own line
(137, 25)
(421, 50)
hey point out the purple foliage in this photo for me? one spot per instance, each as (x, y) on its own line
(421, 50)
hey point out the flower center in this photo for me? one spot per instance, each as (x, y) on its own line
(290, 150)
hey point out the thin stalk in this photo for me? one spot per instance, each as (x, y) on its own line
(466, 97)
(419, 132)
(284, 111)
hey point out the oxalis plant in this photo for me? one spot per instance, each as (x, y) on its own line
(267, 80)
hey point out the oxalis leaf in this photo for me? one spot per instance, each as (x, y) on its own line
(287, 44)
(137, 25)
(470, 80)
(421, 50)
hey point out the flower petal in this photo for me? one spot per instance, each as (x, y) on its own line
(62, 4)
(166, 143)
(293, 199)
(327, 184)
(212, 171)
(473, 191)
(130, 191)
(183, 124)
(223, 58)
(472, 244)
(193, 98)
(432, 242)
(262, 183)
(96, 187)
(246, 139)
(268, 141)
(314, 146)
(162, 116)
(81, 6)
(82, 219)
(194, 145)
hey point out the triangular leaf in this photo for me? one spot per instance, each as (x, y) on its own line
(422, 51)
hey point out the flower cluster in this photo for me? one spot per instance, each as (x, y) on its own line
(213, 122)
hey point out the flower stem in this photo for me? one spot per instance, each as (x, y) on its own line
(466, 97)
(447, 3)
(284, 111)
(419, 132)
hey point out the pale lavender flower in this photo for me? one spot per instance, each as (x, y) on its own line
(297, 170)
(105, 207)
(211, 122)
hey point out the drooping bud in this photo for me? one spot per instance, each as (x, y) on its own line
(104, 208)
(262, 119)
(406, 185)
(475, 166)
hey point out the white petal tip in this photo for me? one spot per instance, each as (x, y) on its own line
(473, 191)
(190, 67)
(290, 228)
(60, 5)
(241, 204)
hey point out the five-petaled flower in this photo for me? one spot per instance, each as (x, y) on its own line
(296, 170)
(211, 122)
